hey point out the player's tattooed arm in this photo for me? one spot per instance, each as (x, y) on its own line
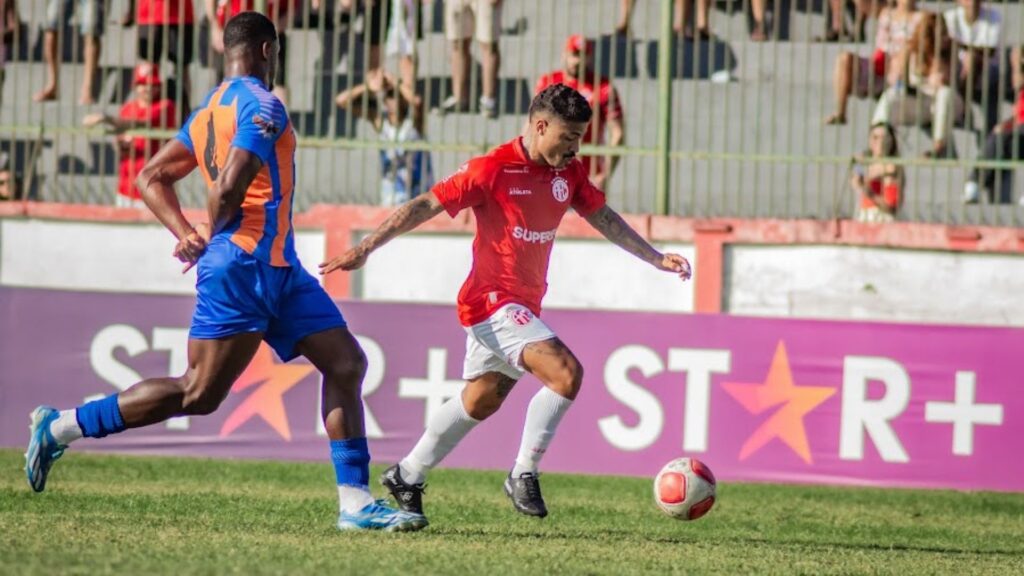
(609, 223)
(613, 227)
(406, 218)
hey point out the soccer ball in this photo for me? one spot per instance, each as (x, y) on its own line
(685, 489)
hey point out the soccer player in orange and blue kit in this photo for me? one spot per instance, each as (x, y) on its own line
(250, 284)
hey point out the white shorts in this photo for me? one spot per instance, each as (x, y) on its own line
(496, 344)
(472, 18)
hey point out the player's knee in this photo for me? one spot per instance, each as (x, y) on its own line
(482, 407)
(568, 377)
(347, 373)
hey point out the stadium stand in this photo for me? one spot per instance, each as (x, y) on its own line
(747, 138)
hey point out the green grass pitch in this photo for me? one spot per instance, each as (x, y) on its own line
(131, 515)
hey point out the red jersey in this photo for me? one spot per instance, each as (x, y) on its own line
(160, 114)
(518, 205)
(150, 12)
(228, 8)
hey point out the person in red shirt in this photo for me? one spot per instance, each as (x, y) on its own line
(519, 193)
(579, 74)
(146, 110)
(219, 12)
(163, 23)
(1006, 142)
(879, 184)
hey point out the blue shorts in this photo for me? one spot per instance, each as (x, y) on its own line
(237, 293)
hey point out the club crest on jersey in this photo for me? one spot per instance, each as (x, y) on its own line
(520, 316)
(267, 127)
(560, 188)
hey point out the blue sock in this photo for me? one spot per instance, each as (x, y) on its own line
(100, 417)
(351, 460)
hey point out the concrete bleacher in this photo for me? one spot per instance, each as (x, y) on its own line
(773, 107)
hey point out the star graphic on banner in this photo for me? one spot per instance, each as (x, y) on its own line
(778, 389)
(267, 401)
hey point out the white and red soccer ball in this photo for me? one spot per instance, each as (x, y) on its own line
(685, 489)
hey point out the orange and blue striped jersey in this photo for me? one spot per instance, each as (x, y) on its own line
(242, 113)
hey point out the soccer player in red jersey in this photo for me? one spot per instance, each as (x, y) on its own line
(579, 74)
(519, 193)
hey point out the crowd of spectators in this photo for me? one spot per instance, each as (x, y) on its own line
(925, 69)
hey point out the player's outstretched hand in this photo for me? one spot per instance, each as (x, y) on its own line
(192, 246)
(675, 263)
(351, 260)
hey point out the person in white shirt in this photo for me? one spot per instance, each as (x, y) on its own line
(976, 31)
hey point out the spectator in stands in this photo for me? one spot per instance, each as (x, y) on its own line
(1006, 142)
(375, 25)
(976, 32)
(878, 184)
(218, 12)
(10, 187)
(405, 28)
(862, 9)
(396, 113)
(9, 23)
(481, 19)
(90, 21)
(682, 18)
(146, 110)
(865, 77)
(919, 91)
(579, 74)
(161, 22)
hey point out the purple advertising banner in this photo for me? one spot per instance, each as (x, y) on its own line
(757, 399)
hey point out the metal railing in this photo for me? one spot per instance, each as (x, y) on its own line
(714, 127)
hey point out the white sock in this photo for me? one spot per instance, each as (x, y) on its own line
(65, 428)
(444, 431)
(352, 499)
(542, 418)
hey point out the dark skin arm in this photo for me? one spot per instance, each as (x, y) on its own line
(407, 217)
(228, 191)
(613, 227)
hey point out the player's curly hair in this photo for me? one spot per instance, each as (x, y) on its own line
(248, 30)
(562, 102)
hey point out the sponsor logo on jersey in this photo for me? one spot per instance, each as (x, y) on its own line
(268, 129)
(516, 170)
(560, 188)
(533, 236)
(520, 316)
